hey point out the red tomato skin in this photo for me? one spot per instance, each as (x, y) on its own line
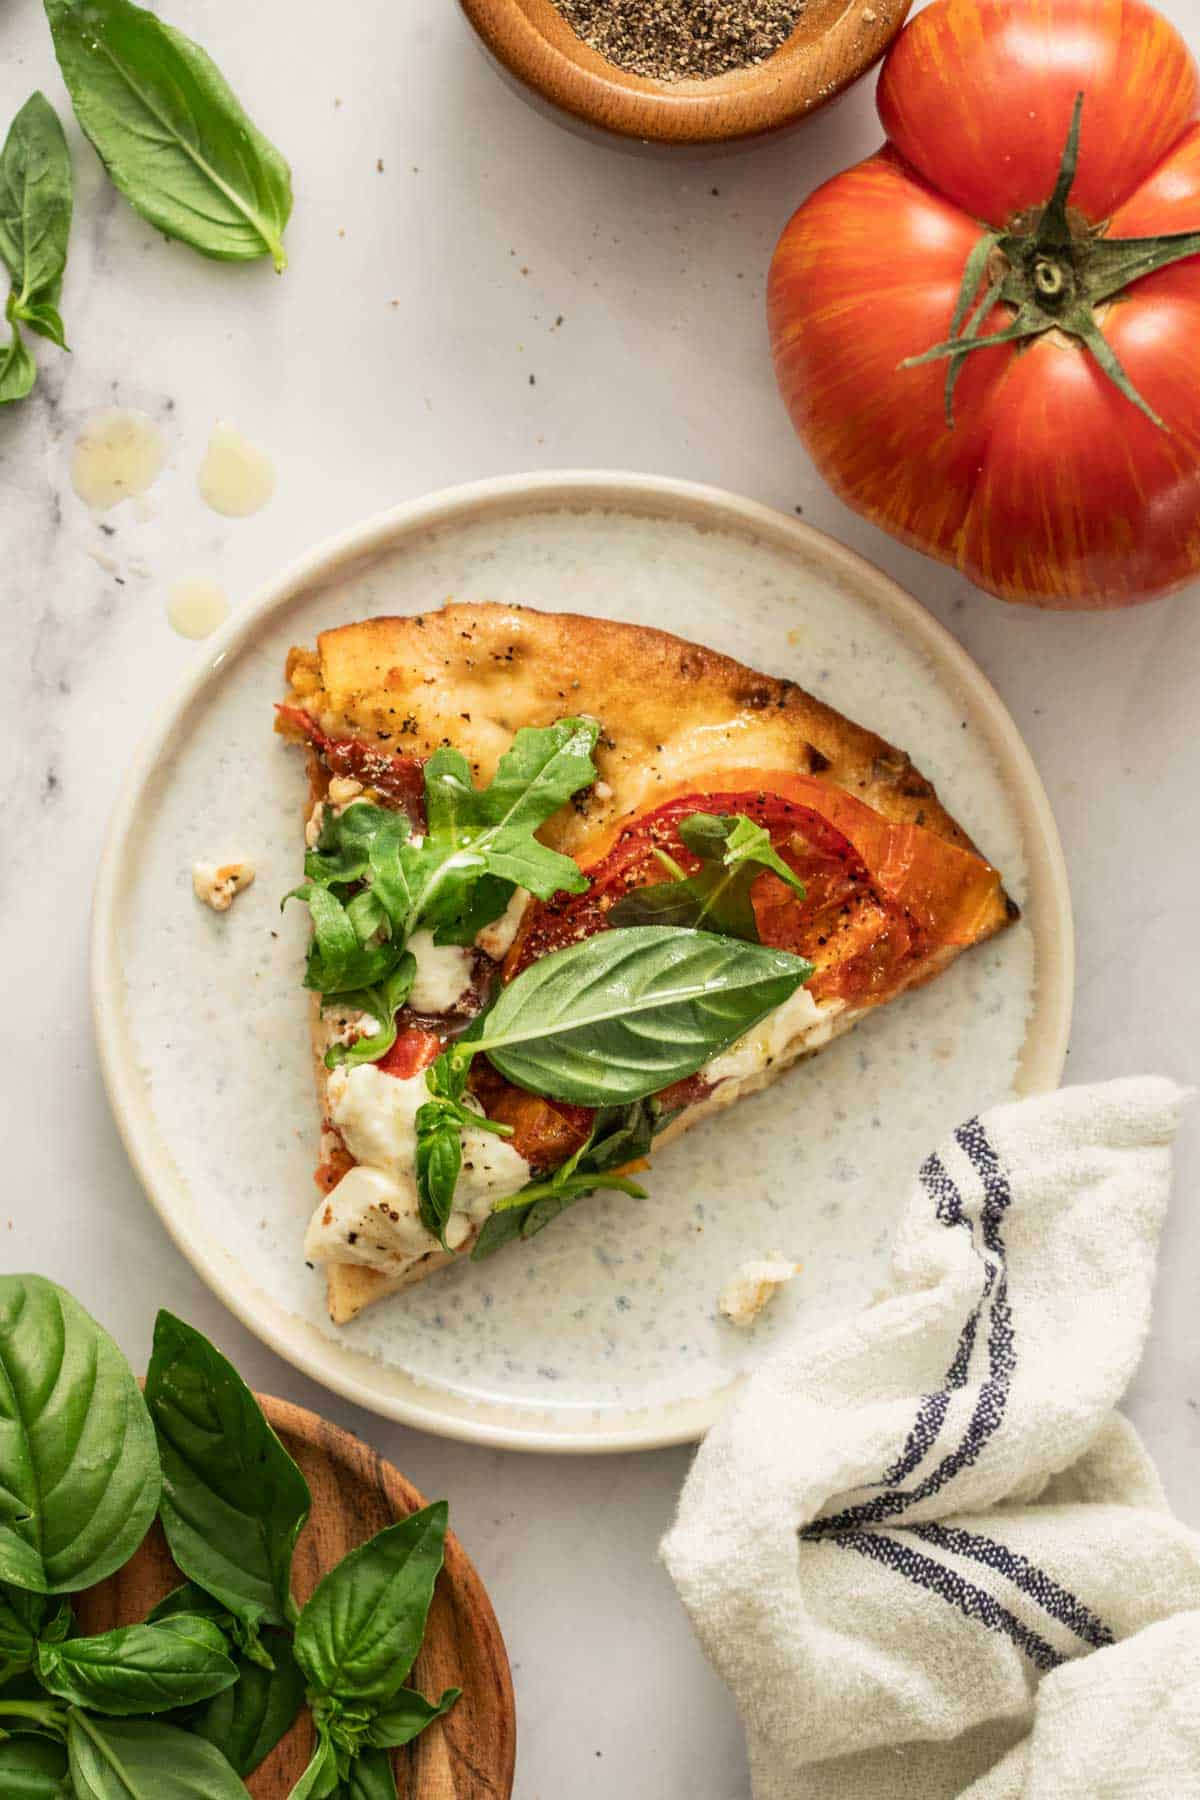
(1052, 488)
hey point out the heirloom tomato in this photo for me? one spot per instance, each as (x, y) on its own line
(988, 333)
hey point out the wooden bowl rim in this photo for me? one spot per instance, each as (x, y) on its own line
(533, 41)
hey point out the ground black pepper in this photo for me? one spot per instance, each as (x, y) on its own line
(682, 40)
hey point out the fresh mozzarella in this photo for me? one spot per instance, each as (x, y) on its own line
(342, 790)
(798, 1017)
(496, 939)
(377, 1201)
(752, 1287)
(443, 975)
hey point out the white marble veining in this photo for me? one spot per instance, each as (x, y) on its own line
(393, 357)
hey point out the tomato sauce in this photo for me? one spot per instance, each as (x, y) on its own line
(400, 779)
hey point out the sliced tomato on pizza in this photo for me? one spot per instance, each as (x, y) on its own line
(575, 885)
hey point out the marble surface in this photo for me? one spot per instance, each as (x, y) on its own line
(497, 296)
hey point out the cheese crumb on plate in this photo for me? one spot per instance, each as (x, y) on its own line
(219, 884)
(754, 1286)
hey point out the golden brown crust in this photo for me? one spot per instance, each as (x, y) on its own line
(670, 712)
(473, 675)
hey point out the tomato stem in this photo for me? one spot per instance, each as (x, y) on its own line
(1052, 270)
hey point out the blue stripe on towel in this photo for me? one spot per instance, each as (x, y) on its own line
(1053, 1599)
(972, 1602)
(993, 1393)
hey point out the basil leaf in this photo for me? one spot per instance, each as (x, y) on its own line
(79, 1480)
(320, 1780)
(170, 131)
(359, 1634)
(35, 215)
(371, 1777)
(24, 1618)
(139, 1668)
(192, 1601)
(18, 371)
(246, 1721)
(438, 1164)
(144, 1759)
(625, 1013)
(406, 1715)
(233, 1501)
(734, 852)
(32, 1768)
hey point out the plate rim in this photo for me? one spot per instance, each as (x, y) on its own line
(345, 1371)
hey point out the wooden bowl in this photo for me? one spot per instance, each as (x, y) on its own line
(835, 41)
(469, 1755)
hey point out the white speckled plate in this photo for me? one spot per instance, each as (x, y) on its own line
(602, 1334)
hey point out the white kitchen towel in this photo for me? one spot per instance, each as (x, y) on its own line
(922, 1549)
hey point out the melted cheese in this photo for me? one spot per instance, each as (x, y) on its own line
(496, 939)
(443, 975)
(373, 1216)
(798, 1018)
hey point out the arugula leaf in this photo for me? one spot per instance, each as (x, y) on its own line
(144, 1759)
(246, 1721)
(32, 1768)
(369, 885)
(81, 1478)
(18, 371)
(139, 1668)
(619, 1135)
(359, 1634)
(382, 1003)
(233, 1501)
(170, 131)
(624, 1014)
(35, 216)
(733, 852)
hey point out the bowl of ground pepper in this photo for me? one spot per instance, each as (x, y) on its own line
(686, 72)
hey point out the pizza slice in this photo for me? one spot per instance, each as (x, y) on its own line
(575, 886)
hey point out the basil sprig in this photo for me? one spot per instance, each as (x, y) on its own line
(733, 853)
(619, 1135)
(356, 1641)
(439, 1154)
(369, 884)
(78, 1714)
(35, 224)
(170, 131)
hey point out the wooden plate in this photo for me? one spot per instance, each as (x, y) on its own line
(469, 1755)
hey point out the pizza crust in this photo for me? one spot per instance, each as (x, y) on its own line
(670, 711)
